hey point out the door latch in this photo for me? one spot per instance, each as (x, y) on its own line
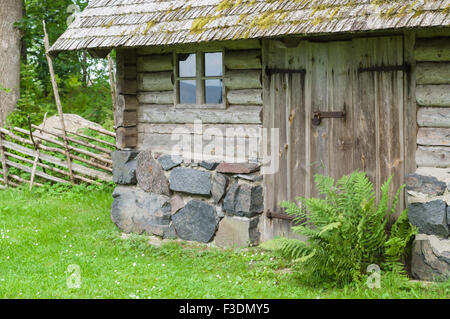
(318, 116)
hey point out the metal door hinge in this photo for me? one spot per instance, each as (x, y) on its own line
(271, 215)
(270, 71)
(387, 68)
(318, 116)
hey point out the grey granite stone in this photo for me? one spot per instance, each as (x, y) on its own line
(429, 217)
(191, 181)
(169, 161)
(150, 175)
(136, 211)
(425, 184)
(237, 232)
(197, 221)
(219, 186)
(430, 258)
(124, 167)
(244, 200)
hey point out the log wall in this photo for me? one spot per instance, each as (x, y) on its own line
(125, 115)
(151, 91)
(433, 100)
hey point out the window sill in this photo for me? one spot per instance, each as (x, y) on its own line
(201, 106)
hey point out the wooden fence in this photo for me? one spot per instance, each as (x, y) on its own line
(36, 156)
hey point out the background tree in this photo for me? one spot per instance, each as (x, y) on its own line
(10, 53)
(83, 81)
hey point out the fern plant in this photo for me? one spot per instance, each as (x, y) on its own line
(346, 230)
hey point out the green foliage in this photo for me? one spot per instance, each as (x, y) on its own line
(346, 230)
(44, 231)
(83, 81)
(3, 89)
(56, 14)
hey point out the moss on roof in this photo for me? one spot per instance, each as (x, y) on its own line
(152, 22)
(270, 18)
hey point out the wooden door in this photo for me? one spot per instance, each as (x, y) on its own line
(344, 76)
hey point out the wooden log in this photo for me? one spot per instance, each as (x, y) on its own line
(10, 183)
(126, 119)
(54, 169)
(57, 161)
(245, 97)
(240, 147)
(127, 86)
(90, 138)
(28, 169)
(126, 103)
(33, 170)
(112, 82)
(433, 136)
(73, 140)
(155, 63)
(433, 50)
(58, 103)
(126, 71)
(249, 79)
(126, 111)
(251, 130)
(24, 181)
(130, 71)
(432, 156)
(433, 95)
(160, 81)
(232, 115)
(126, 137)
(126, 56)
(3, 158)
(70, 148)
(427, 33)
(410, 107)
(243, 59)
(161, 98)
(433, 117)
(433, 73)
(101, 130)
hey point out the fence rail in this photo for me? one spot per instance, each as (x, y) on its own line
(37, 156)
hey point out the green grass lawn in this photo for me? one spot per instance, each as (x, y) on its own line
(42, 233)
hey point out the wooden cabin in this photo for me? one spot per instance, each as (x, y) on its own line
(308, 87)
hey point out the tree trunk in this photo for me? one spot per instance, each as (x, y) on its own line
(10, 52)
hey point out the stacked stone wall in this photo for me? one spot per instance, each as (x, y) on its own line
(162, 195)
(429, 187)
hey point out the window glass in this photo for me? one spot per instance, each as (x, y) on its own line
(188, 91)
(213, 91)
(213, 64)
(187, 65)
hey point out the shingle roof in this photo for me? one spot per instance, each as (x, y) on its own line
(134, 23)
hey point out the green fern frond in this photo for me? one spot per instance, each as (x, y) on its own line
(295, 249)
(346, 230)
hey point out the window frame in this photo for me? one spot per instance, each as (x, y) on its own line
(200, 79)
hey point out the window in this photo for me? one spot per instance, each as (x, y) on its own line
(200, 79)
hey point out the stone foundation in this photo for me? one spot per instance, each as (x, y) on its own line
(428, 209)
(204, 202)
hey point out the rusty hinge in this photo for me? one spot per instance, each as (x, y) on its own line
(318, 116)
(270, 72)
(271, 215)
(386, 68)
